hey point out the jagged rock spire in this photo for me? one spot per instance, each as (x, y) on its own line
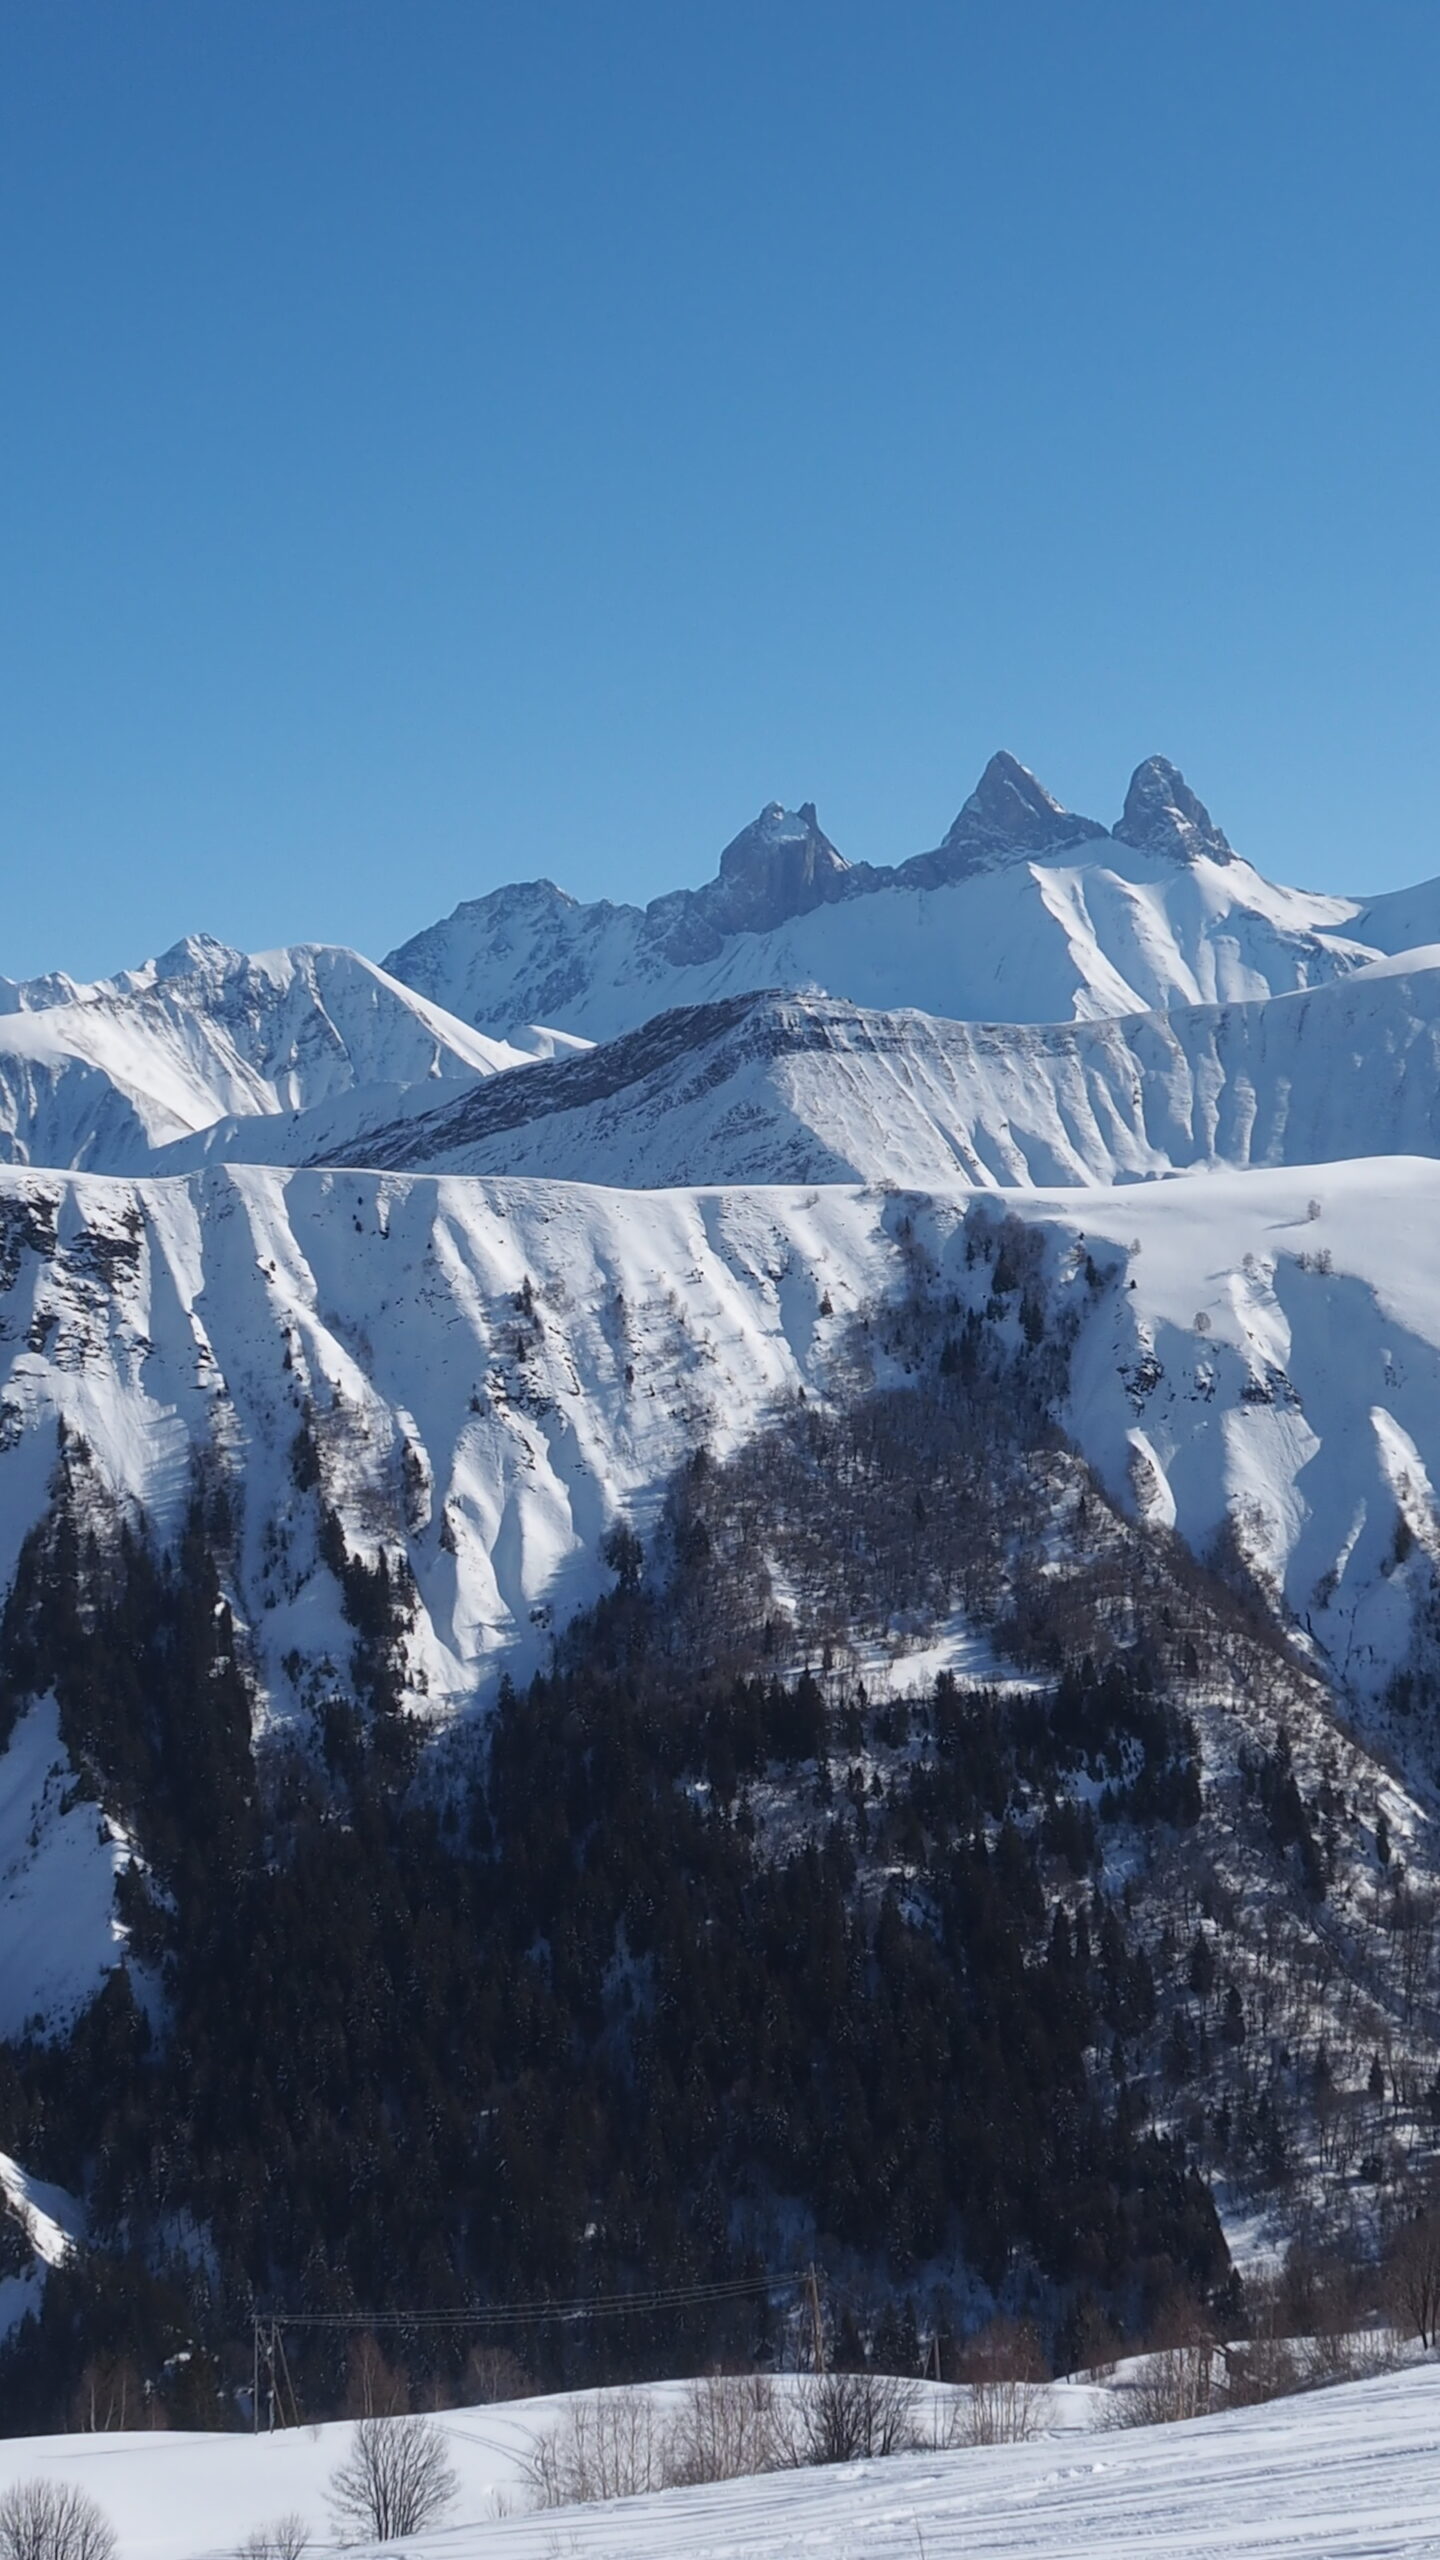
(1009, 812)
(781, 865)
(1163, 815)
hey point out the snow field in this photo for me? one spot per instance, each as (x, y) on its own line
(1352, 2473)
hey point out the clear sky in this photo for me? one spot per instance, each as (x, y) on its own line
(443, 442)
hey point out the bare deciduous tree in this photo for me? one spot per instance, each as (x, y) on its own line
(396, 2477)
(496, 2373)
(374, 2387)
(53, 2520)
(607, 2445)
(110, 2394)
(285, 2539)
(1415, 2276)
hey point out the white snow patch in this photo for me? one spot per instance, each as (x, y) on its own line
(59, 1858)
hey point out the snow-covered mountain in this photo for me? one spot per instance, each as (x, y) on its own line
(788, 1088)
(496, 1372)
(339, 1338)
(1024, 913)
(107, 1074)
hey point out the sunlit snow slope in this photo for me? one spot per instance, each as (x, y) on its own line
(496, 1370)
(106, 1075)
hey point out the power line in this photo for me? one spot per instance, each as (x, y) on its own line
(268, 2327)
(513, 2315)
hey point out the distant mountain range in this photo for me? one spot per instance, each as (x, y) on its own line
(1098, 1003)
(1024, 913)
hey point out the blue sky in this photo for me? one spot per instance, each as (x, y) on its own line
(445, 443)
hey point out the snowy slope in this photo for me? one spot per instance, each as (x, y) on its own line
(105, 1075)
(59, 1859)
(1025, 913)
(1347, 2474)
(1280, 1372)
(803, 1089)
(495, 1443)
(49, 2222)
(496, 1370)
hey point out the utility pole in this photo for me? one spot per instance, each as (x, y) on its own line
(817, 2325)
(267, 2343)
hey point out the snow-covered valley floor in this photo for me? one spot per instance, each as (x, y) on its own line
(1347, 2474)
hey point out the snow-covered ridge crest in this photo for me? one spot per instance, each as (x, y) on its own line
(790, 1088)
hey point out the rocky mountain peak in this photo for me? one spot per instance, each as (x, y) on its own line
(1009, 811)
(1163, 815)
(781, 865)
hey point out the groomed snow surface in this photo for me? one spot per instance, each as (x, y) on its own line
(1347, 2474)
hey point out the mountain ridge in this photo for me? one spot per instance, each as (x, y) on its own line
(1024, 912)
(783, 1087)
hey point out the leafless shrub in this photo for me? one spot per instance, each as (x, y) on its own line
(1000, 2411)
(1173, 2384)
(851, 2417)
(1349, 2355)
(285, 2539)
(396, 2478)
(608, 2445)
(53, 2520)
(495, 2373)
(729, 2427)
(1263, 2369)
(1007, 2400)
